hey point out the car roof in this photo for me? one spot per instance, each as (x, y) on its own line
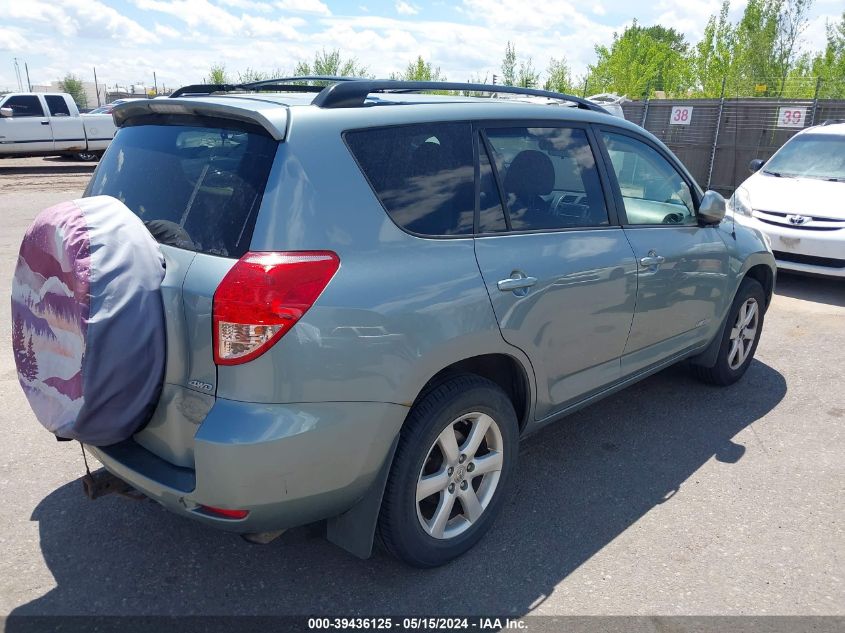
(832, 128)
(399, 108)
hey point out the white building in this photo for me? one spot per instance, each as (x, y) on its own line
(89, 87)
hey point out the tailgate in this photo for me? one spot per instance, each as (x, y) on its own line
(197, 184)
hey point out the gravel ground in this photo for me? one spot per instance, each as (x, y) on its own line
(669, 498)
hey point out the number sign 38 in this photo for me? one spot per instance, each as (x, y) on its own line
(792, 117)
(680, 115)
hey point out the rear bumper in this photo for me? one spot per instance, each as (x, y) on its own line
(287, 464)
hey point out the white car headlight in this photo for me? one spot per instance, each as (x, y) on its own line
(740, 202)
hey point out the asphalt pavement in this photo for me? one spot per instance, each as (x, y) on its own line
(670, 498)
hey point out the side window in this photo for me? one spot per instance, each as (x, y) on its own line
(491, 214)
(25, 105)
(549, 177)
(423, 174)
(652, 189)
(57, 105)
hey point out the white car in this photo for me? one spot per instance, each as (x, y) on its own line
(797, 199)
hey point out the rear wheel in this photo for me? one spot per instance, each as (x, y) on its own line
(454, 461)
(741, 336)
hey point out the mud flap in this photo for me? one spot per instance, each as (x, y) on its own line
(355, 529)
(707, 358)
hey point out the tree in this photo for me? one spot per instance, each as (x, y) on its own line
(792, 22)
(527, 77)
(331, 64)
(18, 348)
(420, 70)
(713, 58)
(217, 74)
(72, 85)
(29, 365)
(249, 75)
(829, 65)
(559, 76)
(642, 60)
(509, 65)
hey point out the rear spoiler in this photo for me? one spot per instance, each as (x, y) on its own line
(273, 117)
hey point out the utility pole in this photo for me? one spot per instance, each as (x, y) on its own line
(28, 82)
(18, 74)
(97, 87)
(155, 84)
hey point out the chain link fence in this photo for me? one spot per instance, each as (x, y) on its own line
(717, 138)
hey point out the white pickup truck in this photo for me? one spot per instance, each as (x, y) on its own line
(49, 124)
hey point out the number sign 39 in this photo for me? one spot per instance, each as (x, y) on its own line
(680, 115)
(791, 117)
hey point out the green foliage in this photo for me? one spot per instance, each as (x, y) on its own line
(420, 70)
(527, 77)
(250, 75)
(759, 55)
(712, 58)
(331, 63)
(72, 85)
(559, 76)
(217, 74)
(509, 65)
(641, 61)
(829, 65)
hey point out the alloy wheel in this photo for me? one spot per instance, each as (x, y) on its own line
(743, 333)
(459, 475)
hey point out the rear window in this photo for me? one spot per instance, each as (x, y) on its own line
(195, 187)
(423, 174)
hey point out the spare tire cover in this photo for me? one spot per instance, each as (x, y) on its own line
(87, 320)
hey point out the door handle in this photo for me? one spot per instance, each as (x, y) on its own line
(45, 123)
(652, 259)
(515, 283)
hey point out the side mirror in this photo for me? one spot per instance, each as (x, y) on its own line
(755, 165)
(712, 208)
(7, 112)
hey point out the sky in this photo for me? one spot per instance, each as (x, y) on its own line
(128, 40)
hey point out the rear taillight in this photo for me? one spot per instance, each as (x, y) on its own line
(262, 297)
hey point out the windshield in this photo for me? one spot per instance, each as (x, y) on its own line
(810, 156)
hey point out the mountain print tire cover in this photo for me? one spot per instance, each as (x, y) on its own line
(87, 320)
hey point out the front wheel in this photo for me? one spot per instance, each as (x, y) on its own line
(741, 336)
(453, 464)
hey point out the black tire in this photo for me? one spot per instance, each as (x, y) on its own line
(87, 157)
(722, 373)
(400, 527)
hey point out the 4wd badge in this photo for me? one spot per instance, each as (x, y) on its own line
(202, 386)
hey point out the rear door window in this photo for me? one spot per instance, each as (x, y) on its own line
(423, 174)
(57, 105)
(195, 187)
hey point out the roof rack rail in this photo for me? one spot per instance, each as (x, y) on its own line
(331, 78)
(353, 94)
(266, 85)
(833, 121)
